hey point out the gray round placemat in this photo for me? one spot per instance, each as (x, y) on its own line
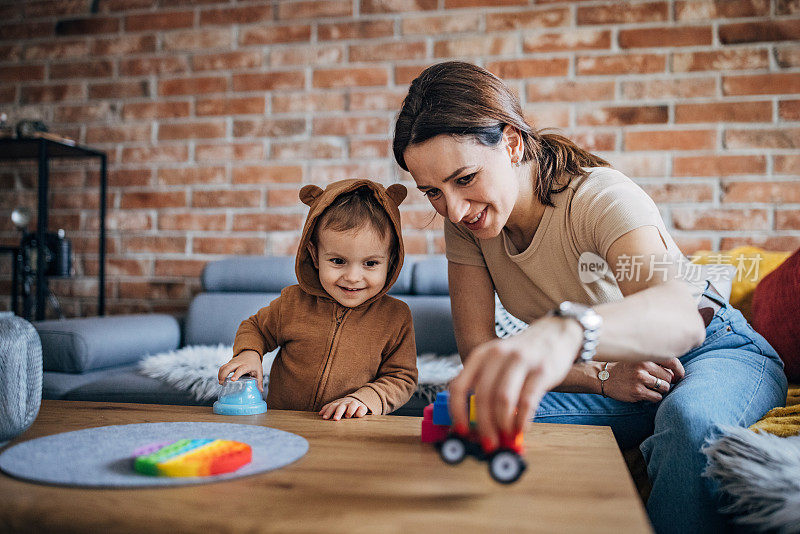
(103, 457)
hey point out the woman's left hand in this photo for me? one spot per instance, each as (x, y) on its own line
(510, 376)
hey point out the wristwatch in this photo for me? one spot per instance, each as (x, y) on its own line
(602, 376)
(591, 322)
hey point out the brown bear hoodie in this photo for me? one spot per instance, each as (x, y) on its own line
(329, 351)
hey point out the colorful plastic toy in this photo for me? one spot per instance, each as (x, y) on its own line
(241, 397)
(192, 458)
(505, 460)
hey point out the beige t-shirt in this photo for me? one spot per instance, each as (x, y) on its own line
(589, 215)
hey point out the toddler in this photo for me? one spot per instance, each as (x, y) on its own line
(346, 348)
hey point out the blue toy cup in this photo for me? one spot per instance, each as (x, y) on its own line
(241, 397)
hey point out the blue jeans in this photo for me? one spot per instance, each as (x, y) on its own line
(733, 378)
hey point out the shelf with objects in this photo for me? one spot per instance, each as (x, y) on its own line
(41, 254)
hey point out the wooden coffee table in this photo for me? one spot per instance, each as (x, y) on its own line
(361, 475)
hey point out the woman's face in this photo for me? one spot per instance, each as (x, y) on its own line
(467, 182)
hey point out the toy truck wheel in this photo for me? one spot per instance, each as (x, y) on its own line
(453, 450)
(506, 466)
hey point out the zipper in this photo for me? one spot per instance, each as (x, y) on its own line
(339, 317)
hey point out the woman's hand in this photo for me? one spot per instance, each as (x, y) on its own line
(636, 381)
(345, 407)
(510, 376)
(247, 362)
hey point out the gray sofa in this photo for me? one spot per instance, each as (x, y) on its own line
(96, 359)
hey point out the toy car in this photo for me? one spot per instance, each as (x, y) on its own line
(505, 460)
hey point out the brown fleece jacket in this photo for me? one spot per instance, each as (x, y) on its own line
(329, 351)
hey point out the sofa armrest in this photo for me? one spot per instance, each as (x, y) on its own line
(85, 344)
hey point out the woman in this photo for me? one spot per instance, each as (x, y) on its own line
(551, 227)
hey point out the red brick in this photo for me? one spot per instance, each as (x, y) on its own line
(387, 51)
(788, 56)
(192, 86)
(33, 9)
(267, 174)
(358, 29)
(153, 65)
(236, 15)
(191, 175)
(787, 219)
(665, 37)
(269, 81)
(421, 219)
(641, 165)
(703, 10)
(528, 19)
(476, 46)
(370, 148)
(117, 267)
(226, 198)
(572, 40)
(594, 141)
(456, 4)
(282, 197)
(529, 68)
(786, 164)
(11, 53)
(438, 25)
(8, 94)
(756, 32)
(53, 50)
(724, 112)
(118, 134)
(23, 73)
(307, 149)
(129, 177)
(404, 74)
(191, 130)
(228, 152)
(182, 268)
(783, 243)
(110, 6)
(84, 113)
(775, 138)
(27, 30)
(307, 55)
(383, 100)
(300, 102)
(152, 290)
(620, 64)
(350, 125)
(777, 192)
(369, 7)
(361, 77)
(51, 93)
(787, 7)
(119, 89)
(87, 26)
(249, 246)
(230, 106)
(662, 193)
(155, 110)
(623, 115)
(82, 69)
(761, 84)
(155, 154)
(267, 222)
(379, 172)
(691, 245)
(669, 88)
(76, 199)
(789, 110)
(268, 127)
(547, 116)
(723, 60)
(315, 9)
(192, 221)
(670, 140)
(719, 219)
(262, 35)
(163, 20)
(121, 45)
(723, 165)
(569, 91)
(623, 13)
(153, 200)
(191, 40)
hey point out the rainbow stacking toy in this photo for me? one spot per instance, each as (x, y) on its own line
(192, 458)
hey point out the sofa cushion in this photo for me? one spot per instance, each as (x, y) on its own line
(214, 317)
(86, 344)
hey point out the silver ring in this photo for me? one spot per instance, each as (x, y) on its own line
(657, 385)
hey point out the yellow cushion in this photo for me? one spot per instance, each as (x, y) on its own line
(752, 264)
(782, 422)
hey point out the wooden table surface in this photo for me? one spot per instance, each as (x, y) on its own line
(362, 475)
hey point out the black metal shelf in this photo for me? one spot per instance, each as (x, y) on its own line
(42, 150)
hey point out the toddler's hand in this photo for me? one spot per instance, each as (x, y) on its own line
(346, 406)
(246, 362)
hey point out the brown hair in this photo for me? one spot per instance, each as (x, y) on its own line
(355, 209)
(462, 99)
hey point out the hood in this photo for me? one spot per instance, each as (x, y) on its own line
(318, 199)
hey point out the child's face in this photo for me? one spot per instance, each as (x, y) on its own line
(353, 265)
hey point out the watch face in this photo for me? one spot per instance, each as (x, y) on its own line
(603, 375)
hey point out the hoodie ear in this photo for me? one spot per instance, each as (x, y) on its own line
(309, 193)
(397, 192)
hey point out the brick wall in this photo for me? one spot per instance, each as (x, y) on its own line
(213, 112)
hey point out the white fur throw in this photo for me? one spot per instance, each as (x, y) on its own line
(194, 369)
(761, 474)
